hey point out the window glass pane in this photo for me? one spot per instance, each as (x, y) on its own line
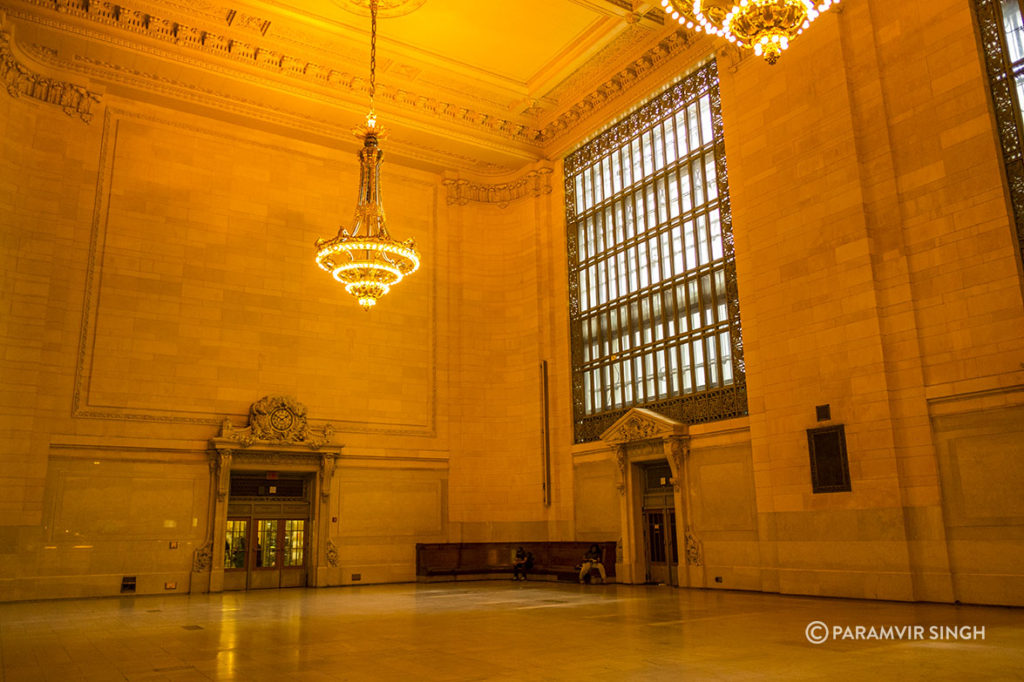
(724, 345)
(681, 134)
(294, 542)
(685, 189)
(716, 235)
(697, 174)
(682, 313)
(235, 543)
(700, 381)
(705, 120)
(710, 183)
(616, 172)
(712, 355)
(652, 377)
(646, 319)
(691, 244)
(659, 149)
(266, 543)
(648, 149)
(703, 250)
(642, 264)
(652, 253)
(1014, 29)
(686, 367)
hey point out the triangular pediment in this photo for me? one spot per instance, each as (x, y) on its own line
(639, 424)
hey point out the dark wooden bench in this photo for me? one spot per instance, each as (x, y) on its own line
(455, 560)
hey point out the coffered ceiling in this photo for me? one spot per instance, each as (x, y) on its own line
(483, 88)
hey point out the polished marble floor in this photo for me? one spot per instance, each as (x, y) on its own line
(502, 631)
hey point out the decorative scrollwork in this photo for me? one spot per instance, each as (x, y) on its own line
(694, 549)
(202, 559)
(332, 553)
(534, 183)
(277, 419)
(1006, 104)
(697, 408)
(74, 100)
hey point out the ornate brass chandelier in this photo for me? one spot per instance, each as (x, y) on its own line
(367, 260)
(765, 26)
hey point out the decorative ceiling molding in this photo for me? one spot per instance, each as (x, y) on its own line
(247, 22)
(239, 63)
(615, 87)
(249, 108)
(289, 66)
(385, 8)
(19, 81)
(533, 183)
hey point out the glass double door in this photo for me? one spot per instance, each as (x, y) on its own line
(262, 553)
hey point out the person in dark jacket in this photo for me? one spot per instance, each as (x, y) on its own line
(592, 559)
(520, 564)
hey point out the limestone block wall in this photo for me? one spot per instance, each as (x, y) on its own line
(158, 277)
(504, 331)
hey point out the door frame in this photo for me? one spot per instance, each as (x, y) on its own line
(638, 437)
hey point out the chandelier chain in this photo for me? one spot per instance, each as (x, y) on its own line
(373, 50)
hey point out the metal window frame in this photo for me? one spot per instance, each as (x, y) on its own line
(816, 486)
(1006, 106)
(709, 403)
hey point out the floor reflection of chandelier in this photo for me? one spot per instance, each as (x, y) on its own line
(765, 26)
(367, 260)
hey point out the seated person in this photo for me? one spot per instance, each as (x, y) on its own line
(592, 559)
(520, 563)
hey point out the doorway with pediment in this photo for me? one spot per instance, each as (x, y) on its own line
(271, 488)
(651, 457)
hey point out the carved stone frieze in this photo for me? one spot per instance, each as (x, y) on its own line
(277, 419)
(636, 428)
(223, 458)
(694, 549)
(247, 22)
(328, 463)
(639, 424)
(534, 183)
(621, 463)
(19, 81)
(202, 558)
(678, 450)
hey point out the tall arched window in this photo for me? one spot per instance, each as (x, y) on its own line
(654, 309)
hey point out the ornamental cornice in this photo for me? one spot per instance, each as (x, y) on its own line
(245, 107)
(600, 98)
(253, 53)
(533, 183)
(19, 81)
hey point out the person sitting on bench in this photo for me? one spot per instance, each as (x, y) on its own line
(592, 559)
(521, 561)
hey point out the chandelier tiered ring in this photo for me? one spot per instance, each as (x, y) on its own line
(765, 26)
